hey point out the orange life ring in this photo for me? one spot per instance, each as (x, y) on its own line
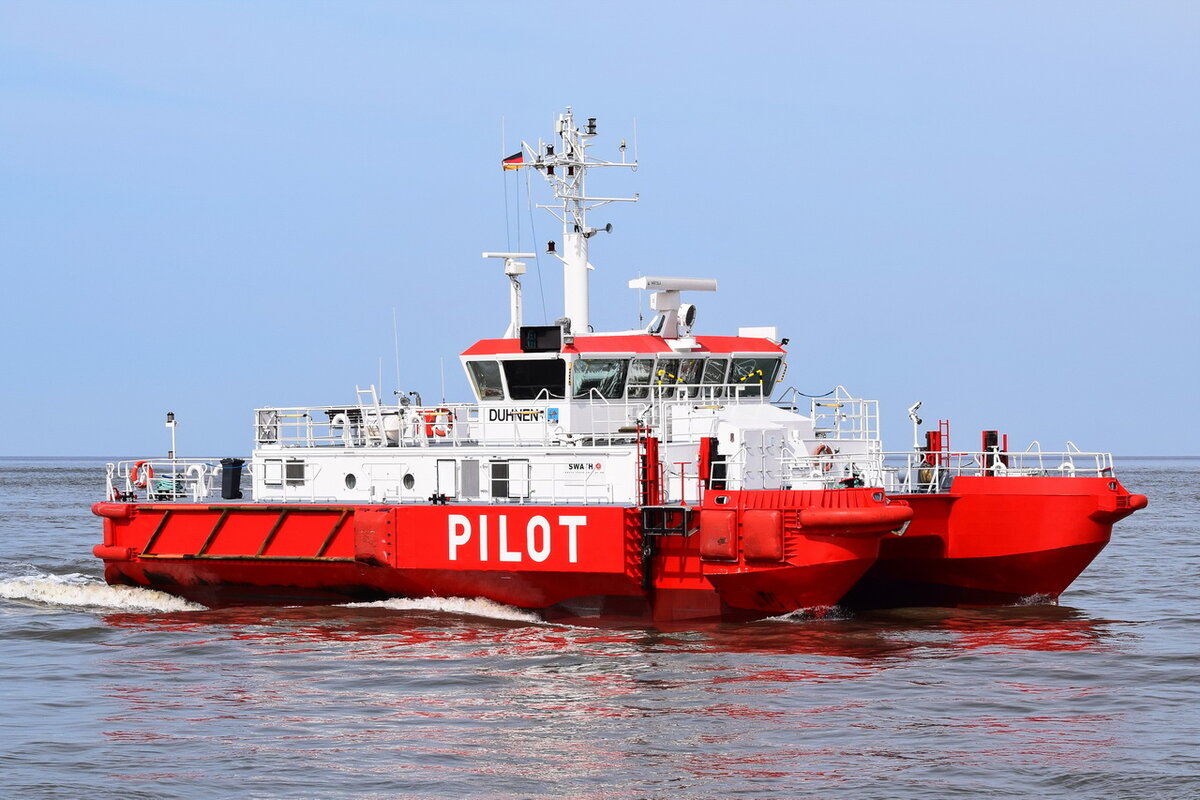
(434, 426)
(141, 483)
(824, 450)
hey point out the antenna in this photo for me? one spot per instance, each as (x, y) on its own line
(565, 168)
(672, 314)
(396, 345)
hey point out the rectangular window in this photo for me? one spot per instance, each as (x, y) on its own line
(754, 377)
(714, 370)
(536, 379)
(510, 479)
(640, 371)
(485, 375)
(667, 372)
(714, 375)
(690, 370)
(603, 377)
(499, 479)
(273, 472)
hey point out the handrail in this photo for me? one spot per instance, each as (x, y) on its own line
(912, 472)
(594, 417)
(162, 479)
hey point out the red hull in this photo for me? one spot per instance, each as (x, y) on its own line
(995, 540)
(792, 550)
(990, 540)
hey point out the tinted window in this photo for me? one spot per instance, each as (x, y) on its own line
(714, 374)
(714, 370)
(690, 370)
(667, 372)
(640, 370)
(754, 374)
(599, 376)
(534, 379)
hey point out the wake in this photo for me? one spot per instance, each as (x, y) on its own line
(476, 607)
(74, 591)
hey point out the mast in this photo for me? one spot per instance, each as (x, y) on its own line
(565, 166)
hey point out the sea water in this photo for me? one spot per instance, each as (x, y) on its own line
(129, 693)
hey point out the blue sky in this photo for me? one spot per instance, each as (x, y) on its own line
(990, 207)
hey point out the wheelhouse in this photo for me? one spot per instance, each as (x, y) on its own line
(645, 367)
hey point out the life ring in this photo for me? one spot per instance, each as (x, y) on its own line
(438, 422)
(824, 450)
(141, 482)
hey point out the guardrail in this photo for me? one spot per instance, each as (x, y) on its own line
(595, 420)
(164, 480)
(920, 472)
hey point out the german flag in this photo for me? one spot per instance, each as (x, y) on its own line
(515, 161)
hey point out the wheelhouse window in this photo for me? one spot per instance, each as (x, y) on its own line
(640, 371)
(690, 370)
(753, 374)
(485, 376)
(599, 376)
(536, 379)
(714, 370)
(714, 376)
(667, 372)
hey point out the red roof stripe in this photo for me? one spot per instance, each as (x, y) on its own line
(633, 344)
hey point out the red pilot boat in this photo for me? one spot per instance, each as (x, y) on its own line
(643, 473)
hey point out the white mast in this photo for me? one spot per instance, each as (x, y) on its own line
(565, 168)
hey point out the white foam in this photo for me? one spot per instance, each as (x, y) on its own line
(81, 591)
(475, 607)
(811, 614)
(1037, 600)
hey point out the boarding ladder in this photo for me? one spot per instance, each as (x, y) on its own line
(372, 416)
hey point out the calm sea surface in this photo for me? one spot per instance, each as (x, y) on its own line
(109, 692)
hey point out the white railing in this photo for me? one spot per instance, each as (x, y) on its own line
(827, 465)
(920, 472)
(594, 420)
(931, 472)
(164, 480)
(838, 415)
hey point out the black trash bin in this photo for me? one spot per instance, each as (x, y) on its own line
(231, 478)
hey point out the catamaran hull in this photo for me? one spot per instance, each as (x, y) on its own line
(562, 559)
(995, 540)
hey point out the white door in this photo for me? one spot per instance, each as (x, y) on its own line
(447, 477)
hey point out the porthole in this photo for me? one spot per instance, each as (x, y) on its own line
(351, 481)
(409, 480)
(722, 500)
(877, 497)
